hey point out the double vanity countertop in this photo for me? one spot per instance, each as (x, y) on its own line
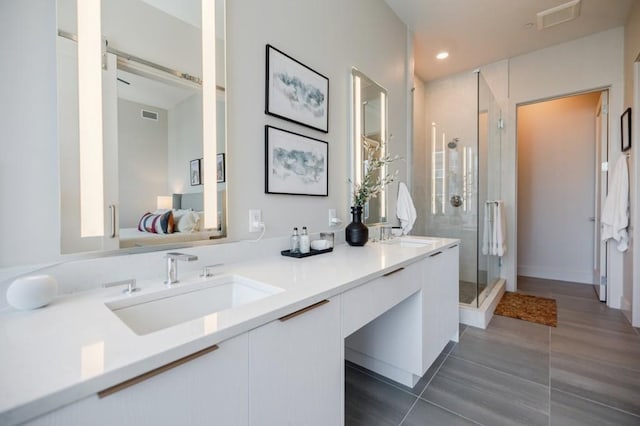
(77, 346)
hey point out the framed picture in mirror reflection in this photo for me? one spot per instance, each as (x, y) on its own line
(625, 123)
(220, 167)
(194, 172)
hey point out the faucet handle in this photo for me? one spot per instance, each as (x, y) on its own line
(130, 283)
(206, 270)
(182, 256)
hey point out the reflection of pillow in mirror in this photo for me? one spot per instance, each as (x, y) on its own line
(157, 223)
(188, 222)
(178, 213)
(200, 220)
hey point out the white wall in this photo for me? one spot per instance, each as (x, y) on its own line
(29, 160)
(556, 173)
(420, 173)
(581, 65)
(143, 149)
(329, 36)
(185, 143)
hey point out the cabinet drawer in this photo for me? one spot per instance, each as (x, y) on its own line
(368, 301)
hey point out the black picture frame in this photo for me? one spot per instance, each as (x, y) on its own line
(220, 167)
(295, 164)
(195, 176)
(295, 92)
(625, 130)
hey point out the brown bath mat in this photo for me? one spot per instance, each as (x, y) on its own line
(528, 308)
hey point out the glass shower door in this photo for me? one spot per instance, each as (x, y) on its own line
(463, 163)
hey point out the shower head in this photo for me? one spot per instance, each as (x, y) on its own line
(453, 144)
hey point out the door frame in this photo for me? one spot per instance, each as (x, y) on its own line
(546, 99)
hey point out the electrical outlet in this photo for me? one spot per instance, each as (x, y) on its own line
(334, 220)
(255, 220)
(332, 217)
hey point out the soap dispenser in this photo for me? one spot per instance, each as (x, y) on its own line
(295, 241)
(305, 244)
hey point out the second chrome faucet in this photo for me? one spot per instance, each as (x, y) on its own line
(172, 265)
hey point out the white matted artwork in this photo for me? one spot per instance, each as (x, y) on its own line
(295, 164)
(295, 92)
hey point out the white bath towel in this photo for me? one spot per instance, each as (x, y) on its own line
(500, 230)
(405, 210)
(494, 234)
(486, 232)
(615, 215)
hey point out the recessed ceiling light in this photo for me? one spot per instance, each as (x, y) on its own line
(442, 55)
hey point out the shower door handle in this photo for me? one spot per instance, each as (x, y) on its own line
(592, 219)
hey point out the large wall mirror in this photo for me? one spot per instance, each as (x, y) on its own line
(369, 137)
(163, 125)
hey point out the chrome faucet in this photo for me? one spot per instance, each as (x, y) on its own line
(172, 265)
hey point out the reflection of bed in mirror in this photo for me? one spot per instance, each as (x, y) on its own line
(133, 237)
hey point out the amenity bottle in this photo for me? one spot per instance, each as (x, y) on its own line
(305, 244)
(295, 241)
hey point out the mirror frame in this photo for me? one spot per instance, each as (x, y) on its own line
(357, 136)
(210, 192)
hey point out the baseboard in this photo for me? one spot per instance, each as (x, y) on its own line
(384, 369)
(583, 277)
(481, 317)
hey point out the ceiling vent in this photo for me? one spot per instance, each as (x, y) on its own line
(558, 15)
(150, 115)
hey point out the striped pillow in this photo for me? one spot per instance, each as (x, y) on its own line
(157, 223)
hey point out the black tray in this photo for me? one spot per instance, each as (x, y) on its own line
(299, 255)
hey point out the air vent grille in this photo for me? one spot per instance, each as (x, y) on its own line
(558, 15)
(149, 115)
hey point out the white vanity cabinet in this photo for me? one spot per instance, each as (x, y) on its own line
(209, 388)
(296, 368)
(439, 302)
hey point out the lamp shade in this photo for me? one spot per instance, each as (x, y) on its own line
(165, 202)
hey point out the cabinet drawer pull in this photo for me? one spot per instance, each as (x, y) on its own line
(155, 372)
(393, 272)
(303, 310)
(453, 246)
(435, 254)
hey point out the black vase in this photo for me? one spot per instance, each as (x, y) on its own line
(356, 232)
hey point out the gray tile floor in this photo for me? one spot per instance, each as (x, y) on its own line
(584, 372)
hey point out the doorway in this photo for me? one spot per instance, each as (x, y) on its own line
(560, 148)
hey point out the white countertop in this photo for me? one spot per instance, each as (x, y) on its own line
(76, 346)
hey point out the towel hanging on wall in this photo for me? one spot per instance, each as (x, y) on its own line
(405, 210)
(615, 215)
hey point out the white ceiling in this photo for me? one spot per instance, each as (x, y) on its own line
(480, 32)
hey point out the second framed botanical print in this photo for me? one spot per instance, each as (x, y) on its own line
(295, 164)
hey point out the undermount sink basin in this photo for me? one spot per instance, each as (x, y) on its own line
(416, 242)
(145, 314)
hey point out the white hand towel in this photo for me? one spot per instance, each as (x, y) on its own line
(615, 215)
(405, 210)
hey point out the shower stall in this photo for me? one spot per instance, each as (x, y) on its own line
(460, 178)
